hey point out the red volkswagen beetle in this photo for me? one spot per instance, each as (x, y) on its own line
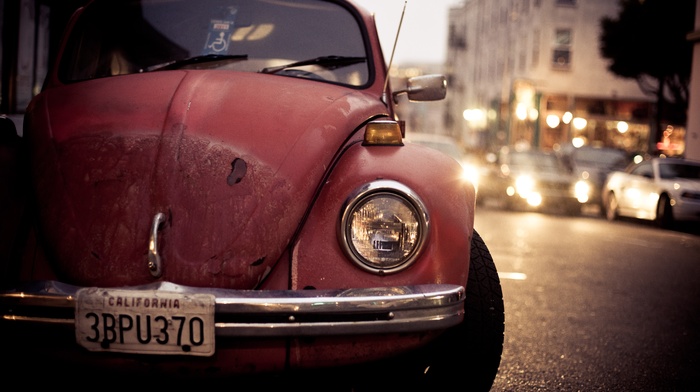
(221, 188)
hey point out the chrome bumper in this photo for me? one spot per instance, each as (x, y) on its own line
(282, 313)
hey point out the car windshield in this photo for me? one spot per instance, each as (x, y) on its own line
(601, 157)
(671, 171)
(301, 38)
(535, 160)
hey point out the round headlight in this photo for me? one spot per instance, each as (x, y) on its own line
(383, 227)
(582, 189)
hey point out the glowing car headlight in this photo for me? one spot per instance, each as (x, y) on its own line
(383, 227)
(582, 191)
(534, 199)
(471, 174)
(524, 185)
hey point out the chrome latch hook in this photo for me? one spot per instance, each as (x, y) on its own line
(154, 262)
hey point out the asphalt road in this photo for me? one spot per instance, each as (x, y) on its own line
(593, 305)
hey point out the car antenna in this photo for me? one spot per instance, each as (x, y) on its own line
(393, 50)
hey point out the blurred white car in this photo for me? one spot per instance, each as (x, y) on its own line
(664, 190)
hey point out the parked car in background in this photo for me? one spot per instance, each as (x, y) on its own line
(663, 190)
(473, 172)
(593, 164)
(220, 188)
(534, 179)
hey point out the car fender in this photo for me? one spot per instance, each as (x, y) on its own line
(448, 198)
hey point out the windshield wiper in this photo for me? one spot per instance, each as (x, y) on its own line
(328, 62)
(207, 58)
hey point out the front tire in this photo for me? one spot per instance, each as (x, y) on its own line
(472, 349)
(484, 325)
(664, 212)
(574, 209)
(468, 354)
(611, 207)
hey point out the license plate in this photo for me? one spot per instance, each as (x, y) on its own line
(145, 322)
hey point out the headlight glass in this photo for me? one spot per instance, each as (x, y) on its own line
(383, 227)
(582, 190)
(524, 185)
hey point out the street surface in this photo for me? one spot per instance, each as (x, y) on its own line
(593, 305)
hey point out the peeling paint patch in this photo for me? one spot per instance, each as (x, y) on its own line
(238, 171)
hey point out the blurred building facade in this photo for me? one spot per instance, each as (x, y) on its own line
(519, 71)
(693, 134)
(529, 72)
(29, 35)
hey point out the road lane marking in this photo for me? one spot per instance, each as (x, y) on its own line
(512, 275)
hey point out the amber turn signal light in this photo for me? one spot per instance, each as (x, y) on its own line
(383, 133)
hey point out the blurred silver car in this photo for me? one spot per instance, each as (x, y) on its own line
(664, 190)
(592, 164)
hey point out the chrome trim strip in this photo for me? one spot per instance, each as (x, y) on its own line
(273, 313)
(154, 262)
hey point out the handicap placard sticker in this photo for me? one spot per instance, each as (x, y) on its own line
(219, 36)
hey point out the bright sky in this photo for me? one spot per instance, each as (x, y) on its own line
(423, 36)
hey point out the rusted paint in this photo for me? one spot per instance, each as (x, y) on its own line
(104, 179)
(238, 171)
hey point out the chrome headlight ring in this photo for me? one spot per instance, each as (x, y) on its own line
(383, 227)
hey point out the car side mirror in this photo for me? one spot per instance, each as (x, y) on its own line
(424, 88)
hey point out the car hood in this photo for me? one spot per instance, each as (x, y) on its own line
(231, 159)
(542, 174)
(594, 174)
